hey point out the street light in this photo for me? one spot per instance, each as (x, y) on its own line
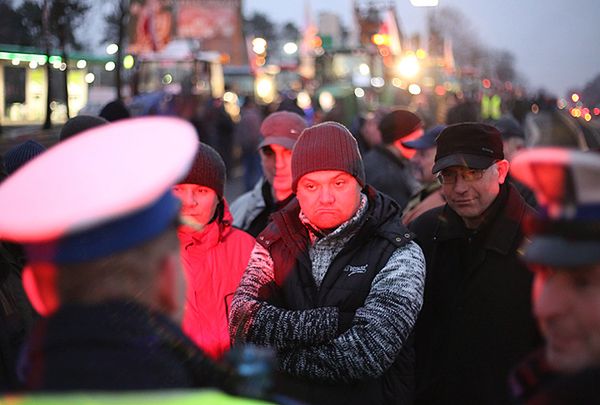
(112, 49)
(409, 66)
(290, 48)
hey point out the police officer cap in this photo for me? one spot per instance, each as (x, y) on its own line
(98, 193)
(566, 232)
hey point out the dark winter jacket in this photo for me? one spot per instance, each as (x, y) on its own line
(346, 334)
(390, 174)
(116, 345)
(476, 321)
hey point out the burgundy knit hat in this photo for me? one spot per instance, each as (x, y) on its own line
(208, 170)
(326, 146)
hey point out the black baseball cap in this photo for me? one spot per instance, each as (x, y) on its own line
(470, 144)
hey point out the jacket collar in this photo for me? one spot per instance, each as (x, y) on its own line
(212, 234)
(502, 226)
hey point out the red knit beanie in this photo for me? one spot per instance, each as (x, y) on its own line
(326, 146)
(208, 170)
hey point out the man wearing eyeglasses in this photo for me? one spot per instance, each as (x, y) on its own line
(476, 319)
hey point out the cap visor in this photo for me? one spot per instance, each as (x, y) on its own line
(278, 140)
(465, 160)
(560, 252)
(419, 144)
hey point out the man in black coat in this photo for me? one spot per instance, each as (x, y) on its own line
(476, 318)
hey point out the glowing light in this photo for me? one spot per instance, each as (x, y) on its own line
(15, 62)
(575, 97)
(561, 104)
(81, 64)
(414, 89)
(588, 117)
(63, 67)
(112, 49)
(290, 48)
(440, 90)
(230, 97)
(128, 61)
(317, 42)
(264, 87)
(358, 92)
(486, 83)
(397, 83)
(259, 45)
(535, 108)
(576, 112)
(377, 82)
(167, 79)
(33, 65)
(109, 66)
(409, 66)
(303, 100)
(596, 111)
(380, 39)
(326, 101)
(89, 78)
(364, 69)
(421, 54)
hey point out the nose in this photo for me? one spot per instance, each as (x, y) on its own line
(460, 186)
(280, 161)
(551, 295)
(326, 197)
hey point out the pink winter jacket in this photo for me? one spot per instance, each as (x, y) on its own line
(214, 260)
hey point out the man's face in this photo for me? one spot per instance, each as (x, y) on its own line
(328, 198)
(198, 204)
(422, 163)
(566, 303)
(277, 167)
(473, 190)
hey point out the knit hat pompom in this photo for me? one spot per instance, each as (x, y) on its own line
(326, 146)
(208, 170)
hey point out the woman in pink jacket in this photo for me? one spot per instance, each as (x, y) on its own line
(213, 253)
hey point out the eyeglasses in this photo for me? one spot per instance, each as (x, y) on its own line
(468, 175)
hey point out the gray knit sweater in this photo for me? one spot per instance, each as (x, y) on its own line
(307, 341)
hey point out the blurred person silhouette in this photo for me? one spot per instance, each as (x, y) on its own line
(79, 124)
(247, 136)
(387, 165)
(103, 262)
(513, 139)
(251, 210)
(213, 253)
(115, 111)
(20, 154)
(430, 195)
(563, 252)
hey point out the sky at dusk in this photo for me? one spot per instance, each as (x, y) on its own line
(556, 43)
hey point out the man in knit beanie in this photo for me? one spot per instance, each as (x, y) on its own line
(213, 253)
(251, 210)
(334, 282)
(387, 165)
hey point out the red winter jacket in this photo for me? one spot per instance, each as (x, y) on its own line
(214, 260)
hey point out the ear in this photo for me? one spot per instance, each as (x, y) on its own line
(503, 167)
(171, 287)
(39, 283)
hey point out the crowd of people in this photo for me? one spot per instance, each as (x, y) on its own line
(401, 263)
